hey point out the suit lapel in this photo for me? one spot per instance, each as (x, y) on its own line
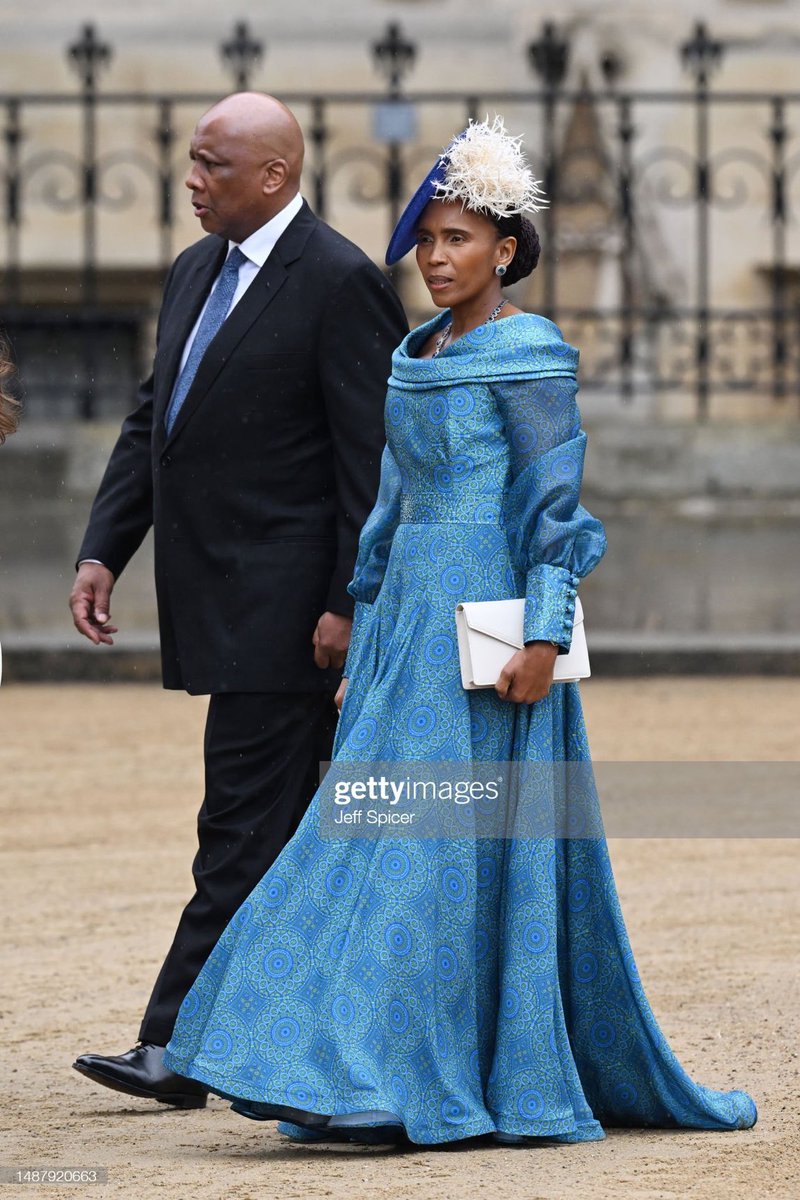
(259, 295)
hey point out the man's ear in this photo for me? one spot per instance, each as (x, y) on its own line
(276, 172)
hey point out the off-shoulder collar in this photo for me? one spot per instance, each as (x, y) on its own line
(523, 346)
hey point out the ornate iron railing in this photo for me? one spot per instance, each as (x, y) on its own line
(652, 194)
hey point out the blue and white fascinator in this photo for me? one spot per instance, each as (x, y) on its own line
(483, 168)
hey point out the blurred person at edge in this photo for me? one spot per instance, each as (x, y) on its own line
(255, 455)
(9, 407)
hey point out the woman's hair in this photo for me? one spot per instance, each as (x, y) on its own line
(9, 407)
(526, 255)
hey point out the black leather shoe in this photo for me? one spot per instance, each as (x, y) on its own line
(141, 1072)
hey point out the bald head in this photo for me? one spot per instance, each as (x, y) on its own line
(247, 158)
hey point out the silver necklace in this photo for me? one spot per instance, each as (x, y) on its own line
(445, 334)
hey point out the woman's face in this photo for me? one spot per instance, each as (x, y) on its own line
(457, 252)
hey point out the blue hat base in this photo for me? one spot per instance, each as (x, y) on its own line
(404, 237)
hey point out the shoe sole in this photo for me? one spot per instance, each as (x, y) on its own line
(176, 1099)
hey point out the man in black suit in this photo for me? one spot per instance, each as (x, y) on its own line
(255, 454)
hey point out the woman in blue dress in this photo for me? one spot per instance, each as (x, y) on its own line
(437, 988)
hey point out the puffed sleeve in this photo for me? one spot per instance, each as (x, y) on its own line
(374, 545)
(554, 540)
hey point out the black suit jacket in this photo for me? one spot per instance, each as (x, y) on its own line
(258, 495)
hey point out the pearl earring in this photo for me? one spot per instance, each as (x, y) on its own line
(500, 269)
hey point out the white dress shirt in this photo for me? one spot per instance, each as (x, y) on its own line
(256, 249)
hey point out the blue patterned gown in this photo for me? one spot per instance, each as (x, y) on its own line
(456, 986)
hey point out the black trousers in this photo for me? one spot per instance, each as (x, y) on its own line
(262, 756)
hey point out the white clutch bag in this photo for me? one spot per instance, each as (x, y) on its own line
(490, 633)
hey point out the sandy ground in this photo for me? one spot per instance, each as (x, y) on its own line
(99, 792)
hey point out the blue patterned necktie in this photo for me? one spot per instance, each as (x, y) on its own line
(213, 317)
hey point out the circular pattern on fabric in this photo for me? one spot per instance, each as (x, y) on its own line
(440, 649)
(218, 1044)
(486, 871)
(399, 940)
(462, 467)
(274, 892)
(603, 1034)
(339, 881)
(488, 512)
(421, 721)
(446, 963)
(300, 1095)
(401, 1007)
(285, 1031)
(349, 1012)
(443, 478)
(399, 1090)
(585, 968)
(280, 954)
(631, 967)
(454, 581)
(420, 730)
(303, 1087)
(460, 401)
(242, 917)
(402, 871)
(536, 937)
(625, 1094)
(437, 410)
(509, 1003)
(481, 944)
(530, 1104)
(454, 884)
(363, 733)
(564, 467)
(454, 1111)
(395, 410)
(362, 1075)
(337, 873)
(413, 547)
(478, 727)
(343, 1010)
(395, 864)
(226, 1044)
(189, 1005)
(579, 895)
(399, 1020)
(278, 963)
(481, 335)
(524, 439)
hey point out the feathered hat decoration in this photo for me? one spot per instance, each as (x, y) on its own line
(483, 168)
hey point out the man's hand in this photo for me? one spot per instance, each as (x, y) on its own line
(527, 676)
(331, 639)
(90, 601)
(338, 699)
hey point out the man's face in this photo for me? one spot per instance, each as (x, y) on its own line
(227, 178)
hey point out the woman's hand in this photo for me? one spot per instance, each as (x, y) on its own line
(338, 699)
(527, 676)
